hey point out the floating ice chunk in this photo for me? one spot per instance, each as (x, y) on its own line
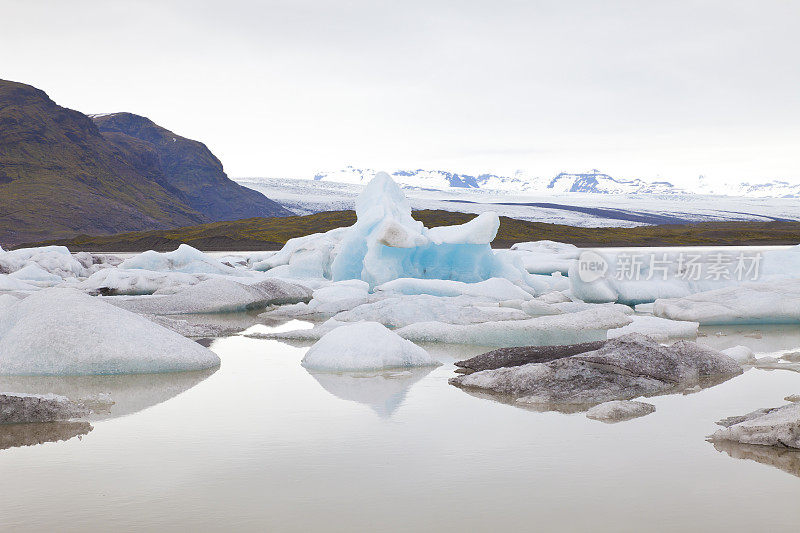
(364, 346)
(185, 259)
(546, 257)
(620, 410)
(56, 260)
(7, 283)
(765, 427)
(304, 257)
(17, 408)
(386, 243)
(63, 331)
(569, 328)
(523, 355)
(741, 354)
(641, 278)
(114, 281)
(661, 329)
(496, 289)
(217, 295)
(399, 311)
(624, 368)
(34, 273)
(327, 301)
(749, 303)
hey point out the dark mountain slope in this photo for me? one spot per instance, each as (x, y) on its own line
(59, 176)
(190, 167)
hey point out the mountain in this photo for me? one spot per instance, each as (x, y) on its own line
(61, 176)
(593, 181)
(190, 167)
(590, 182)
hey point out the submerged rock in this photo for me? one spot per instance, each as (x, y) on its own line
(522, 355)
(620, 410)
(766, 427)
(624, 368)
(25, 408)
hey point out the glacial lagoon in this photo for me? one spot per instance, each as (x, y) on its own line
(263, 444)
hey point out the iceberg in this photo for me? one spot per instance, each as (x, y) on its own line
(18, 408)
(660, 278)
(624, 368)
(386, 243)
(56, 260)
(64, 331)
(620, 410)
(364, 346)
(546, 257)
(8, 283)
(766, 427)
(400, 311)
(115, 281)
(185, 259)
(660, 329)
(775, 302)
(494, 289)
(217, 295)
(570, 328)
(522, 355)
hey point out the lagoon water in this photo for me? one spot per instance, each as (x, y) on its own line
(262, 444)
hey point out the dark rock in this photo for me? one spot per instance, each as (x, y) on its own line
(522, 355)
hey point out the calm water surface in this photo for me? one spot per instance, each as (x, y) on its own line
(262, 444)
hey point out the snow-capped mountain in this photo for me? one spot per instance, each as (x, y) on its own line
(767, 189)
(590, 182)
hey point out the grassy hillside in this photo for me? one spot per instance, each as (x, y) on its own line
(272, 233)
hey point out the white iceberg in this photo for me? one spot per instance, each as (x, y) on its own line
(19, 408)
(8, 283)
(775, 302)
(399, 311)
(364, 346)
(56, 260)
(660, 329)
(765, 427)
(620, 410)
(570, 328)
(64, 331)
(115, 281)
(546, 257)
(494, 289)
(217, 295)
(633, 278)
(185, 259)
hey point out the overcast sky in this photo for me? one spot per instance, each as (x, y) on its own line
(650, 89)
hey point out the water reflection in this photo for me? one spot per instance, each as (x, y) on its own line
(785, 459)
(384, 391)
(571, 408)
(130, 393)
(15, 435)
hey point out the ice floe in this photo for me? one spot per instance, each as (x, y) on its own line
(217, 295)
(749, 303)
(569, 328)
(17, 408)
(185, 259)
(64, 331)
(114, 281)
(624, 368)
(546, 257)
(766, 427)
(661, 329)
(522, 355)
(496, 289)
(620, 410)
(386, 243)
(364, 346)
